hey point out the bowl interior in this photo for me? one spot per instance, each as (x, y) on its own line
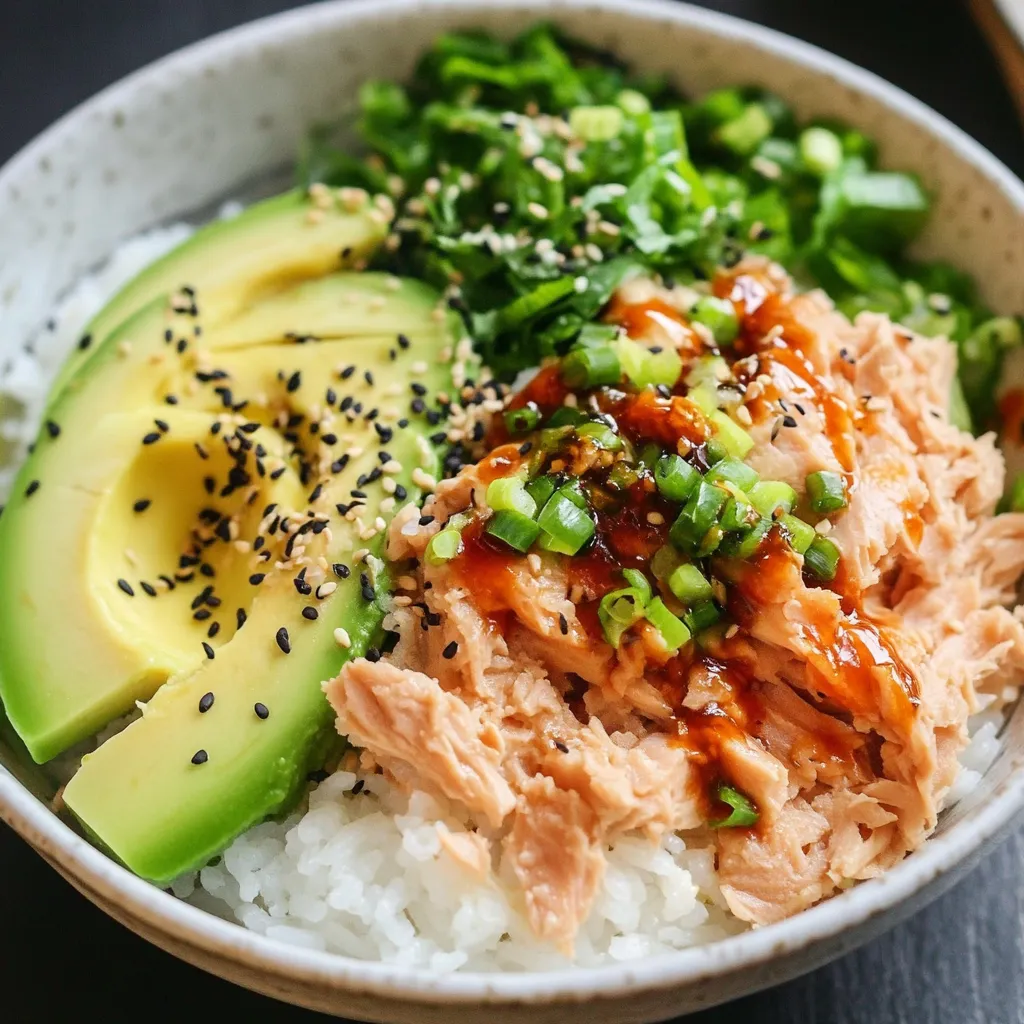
(202, 125)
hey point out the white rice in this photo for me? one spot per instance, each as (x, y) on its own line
(366, 874)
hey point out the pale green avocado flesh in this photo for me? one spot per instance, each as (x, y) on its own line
(191, 530)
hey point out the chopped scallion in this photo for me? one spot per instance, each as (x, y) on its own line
(799, 534)
(822, 558)
(769, 496)
(734, 471)
(673, 631)
(826, 491)
(744, 813)
(733, 437)
(591, 367)
(443, 546)
(675, 478)
(718, 316)
(515, 529)
(509, 493)
(699, 515)
(701, 616)
(618, 611)
(689, 584)
(522, 421)
(639, 582)
(566, 527)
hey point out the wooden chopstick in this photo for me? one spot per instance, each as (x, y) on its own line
(1007, 47)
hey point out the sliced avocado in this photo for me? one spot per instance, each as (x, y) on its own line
(269, 247)
(71, 533)
(179, 783)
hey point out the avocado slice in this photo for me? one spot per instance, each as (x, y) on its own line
(270, 246)
(279, 500)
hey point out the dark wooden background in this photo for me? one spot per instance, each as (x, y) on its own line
(959, 962)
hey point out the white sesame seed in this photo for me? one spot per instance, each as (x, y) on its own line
(341, 638)
(315, 216)
(389, 485)
(534, 562)
(537, 210)
(743, 416)
(326, 589)
(406, 582)
(731, 631)
(423, 480)
(655, 518)
(824, 527)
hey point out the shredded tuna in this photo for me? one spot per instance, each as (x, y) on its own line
(838, 711)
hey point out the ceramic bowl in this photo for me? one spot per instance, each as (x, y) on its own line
(202, 123)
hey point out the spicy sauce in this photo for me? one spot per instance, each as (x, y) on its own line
(642, 319)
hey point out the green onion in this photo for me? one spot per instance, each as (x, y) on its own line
(665, 561)
(673, 631)
(699, 515)
(745, 133)
(515, 529)
(734, 471)
(596, 124)
(821, 150)
(800, 534)
(633, 103)
(573, 490)
(822, 558)
(566, 527)
(702, 616)
(744, 813)
(710, 542)
(826, 491)
(645, 368)
(565, 416)
(591, 367)
(1015, 498)
(718, 316)
(689, 585)
(705, 397)
(738, 516)
(745, 545)
(714, 451)
(601, 434)
(618, 611)
(771, 495)
(522, 421)
(443, 546)
(541, 489)
(639, 582)
(597, 335)
(622, 476)
(733, 437)
(675, 478)
(509, 492)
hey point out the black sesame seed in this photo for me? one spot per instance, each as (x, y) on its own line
(257, 578)
(206, 702)
(201, 451)
(240, 618)
(53, 429)
(200, 757)
(450, 651)
(317, 491)
(32, 488)
(162, 426)
(418, 389)
(262, 711)
(358, 787)
(294, 382)
(401, 493)
(171, 399)
(310, 613)
(525, 447)
(84, 341)
(213, 630)
(561, 746)
(403, 341)
(209, 650)
(368, 377)
(563, 624)
(366, 589)
(788, 421)
(341, 571)
(152, 438)
(202, 614)
(426, 520)
(141, 505)
(148, 588)
(347, 372)
(384, 433)
(126, 587)
(281, 636)
(372, 654)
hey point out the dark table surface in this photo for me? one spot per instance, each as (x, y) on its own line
(961, 961)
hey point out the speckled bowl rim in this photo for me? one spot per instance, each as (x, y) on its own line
(101, 876)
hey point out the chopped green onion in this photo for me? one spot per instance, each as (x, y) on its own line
(714, 451)
(710, 542)
(592, 335)
(566, 527)
(618, 611)
(665, 561)
(591, 367)
(675, 478)
(771, 495)
(744, 813)
(443, 546)
(821, 150)
(718, 316)
(745, 133)
(800, 534)
(745, 545)
(705, 397)
(541, 489)
(633, 103)
(601, 434)
(573, 490)
(826, 491)
(738, 516)
(734, 471)
(522, 421)
(673, 631)
(689, 585)
(702, 616)
(622, 476)
(1015, 499)
(733, 437)
(699, 515)
(596, 124)
(639, 582)
(565, 416)
(822, 558)
(646, 368)
(509, 492)
(515, 529)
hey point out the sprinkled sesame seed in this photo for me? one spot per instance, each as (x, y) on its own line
(262, 711)
(450, 651)
(148, 588)
(141, 505)
(53, 429)
(200, 757)
(32, 488)
(213, 630)
(206, 702)
(281, 636)
(372, 654)
(152, 438)
(341, 638)
(209, 650)
(563, 624)
(257, 578)
(310, 613)
(126, 587)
